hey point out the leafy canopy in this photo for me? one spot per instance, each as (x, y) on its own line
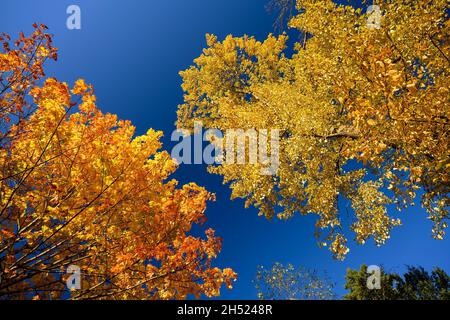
(415, 284)
(290, 283)
(363, 112)
(77, 187)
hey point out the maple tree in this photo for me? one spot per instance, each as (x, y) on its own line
(77, 187)
(363, 112)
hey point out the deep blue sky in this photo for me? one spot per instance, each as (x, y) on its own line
(132, 51)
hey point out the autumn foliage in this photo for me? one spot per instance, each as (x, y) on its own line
(363, 112)
(77, 187)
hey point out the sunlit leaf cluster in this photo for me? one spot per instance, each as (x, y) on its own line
(78, 187)
(364, 115)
